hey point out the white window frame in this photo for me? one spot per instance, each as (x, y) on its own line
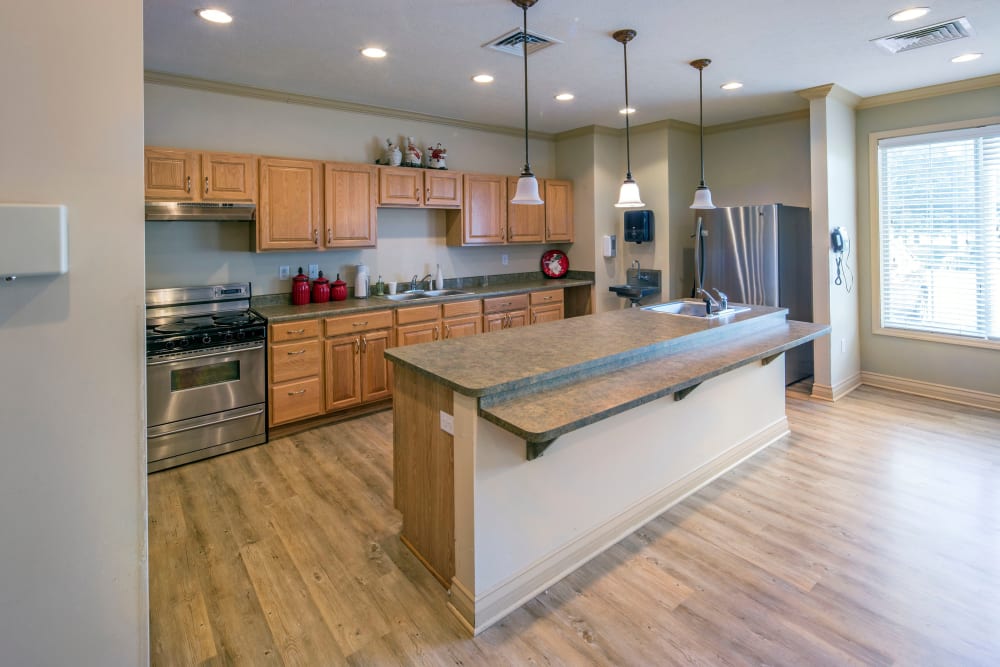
(875, 236)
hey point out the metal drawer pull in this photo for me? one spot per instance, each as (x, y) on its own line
(548, 298)
(214, 423)
(329, 235)
(189, 184)
(360, 324)
(296, 393)
(296, 331)
(206, 185)
(316, 236)
(292, 354)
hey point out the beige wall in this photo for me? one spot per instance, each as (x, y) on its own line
(950, 365)
(410, 241)
(72, 401)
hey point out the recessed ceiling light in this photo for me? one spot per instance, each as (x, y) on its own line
(966, 57)
(373, 52)
(626, 110)
(215, 15)
(565, 97)
(909, 14)
(483, 78)
(732, 85)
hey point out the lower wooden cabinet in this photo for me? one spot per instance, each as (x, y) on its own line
(292, 401)
(356, 370)
(546, 306)
(294, 367)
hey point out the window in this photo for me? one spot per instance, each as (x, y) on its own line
(939, 235)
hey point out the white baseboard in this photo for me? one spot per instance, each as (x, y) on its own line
(971, 397)
(838, 391)
(484, 610)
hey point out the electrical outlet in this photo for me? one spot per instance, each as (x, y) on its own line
(505, 259)
(283, 273)
(313, 271)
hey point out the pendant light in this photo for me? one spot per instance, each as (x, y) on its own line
(527, 184)
(628, 196)
(702, 195)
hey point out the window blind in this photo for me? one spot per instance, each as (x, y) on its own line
(939, 232)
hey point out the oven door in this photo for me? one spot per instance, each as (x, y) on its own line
(204, 382)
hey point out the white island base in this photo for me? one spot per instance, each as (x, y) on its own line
(521, 525)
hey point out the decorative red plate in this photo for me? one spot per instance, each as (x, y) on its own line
(555, 263)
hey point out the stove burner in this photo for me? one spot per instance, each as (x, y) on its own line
(174, 327)
(231, 320)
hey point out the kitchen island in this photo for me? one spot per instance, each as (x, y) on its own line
(521, 455)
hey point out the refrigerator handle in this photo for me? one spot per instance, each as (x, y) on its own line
(699, 257)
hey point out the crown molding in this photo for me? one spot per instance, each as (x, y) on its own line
(668, 124)
(588, 131)
(801, 114)
(178, 81)
(964, 86)
(838, 93)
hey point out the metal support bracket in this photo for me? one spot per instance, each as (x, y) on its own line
(535, 449)
(766, 360)
(681, 394)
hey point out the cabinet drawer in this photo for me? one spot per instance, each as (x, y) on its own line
(418, 314)
(296, 400)
(290, 361)
(293, 330)
(474, 307)
(546, 296)
(380, 319)
(504, 303)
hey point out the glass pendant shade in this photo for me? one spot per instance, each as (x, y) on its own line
(628, 196)
(702, 198)
(527, 191)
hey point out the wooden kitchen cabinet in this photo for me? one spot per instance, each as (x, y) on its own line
(482, 219)
(418, 324)
(546, 306)
(173, 174)
(290, 212)
(414, 188)
(461, 318)
(505, 312)
(356, 369)
(558, 211)
(350, 211)
(525, 223)
(295, 366)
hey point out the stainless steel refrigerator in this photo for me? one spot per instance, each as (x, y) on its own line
(760, 255)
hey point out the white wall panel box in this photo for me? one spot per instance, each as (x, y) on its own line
(35, 240)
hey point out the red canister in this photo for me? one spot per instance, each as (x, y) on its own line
(321, 289)
(339, 289)
(300, 289)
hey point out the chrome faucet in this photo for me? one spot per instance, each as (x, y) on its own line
(635, 264)
(711, 305)
(414, 282)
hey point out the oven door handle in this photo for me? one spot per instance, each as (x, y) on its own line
(256, 412)
(216, 353)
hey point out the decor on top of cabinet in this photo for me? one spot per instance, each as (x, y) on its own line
(413, 154)
(391, 156)
(436, 156)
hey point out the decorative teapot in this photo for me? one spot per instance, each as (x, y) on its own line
(436, 156)
(392, 155)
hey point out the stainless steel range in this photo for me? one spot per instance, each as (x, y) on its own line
(204, 373)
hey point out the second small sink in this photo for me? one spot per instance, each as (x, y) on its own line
(693, 309)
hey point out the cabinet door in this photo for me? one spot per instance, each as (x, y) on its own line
(525, 223)
(376, 381)
(547, 313)
(400, 186)
(296, 400)
(343, 372)
(559, 211)
(228, 177)
(484, 209)
(442, 189)
(350, 210)
(290, 209)
(411, 334)
(494, 322)
(459, 327)
(291, 361)
(171, 175)
(517, 318)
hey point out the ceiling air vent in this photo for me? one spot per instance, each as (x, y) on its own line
(510, 42)
(939, 33)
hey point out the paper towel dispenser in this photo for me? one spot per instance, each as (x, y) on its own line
(638, 226)
(35, 240)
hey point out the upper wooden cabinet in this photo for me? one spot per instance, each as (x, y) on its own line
(558, 211)
(290, 214)
(350, 212)
(179, 175)
(483, 218)
(525, 223)
(410, 187)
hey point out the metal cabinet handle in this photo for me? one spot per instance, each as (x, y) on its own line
(189, 184)
(316, 236)
(360, 324)
(356, 346)
(293, 354)
(416, 194)
(364, 344)
(297, 331)
(548, 298)
(436, 333)
(206, 185)
(534, 318)
(447, 331)
(329, 235)
(296, 393)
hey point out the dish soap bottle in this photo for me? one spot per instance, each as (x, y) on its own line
(439, 280)
(379, 286)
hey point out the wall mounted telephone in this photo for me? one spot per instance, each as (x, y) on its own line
(837, 240)
(838, 244)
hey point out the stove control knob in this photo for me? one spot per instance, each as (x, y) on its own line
(241, 334)
(228, 336)
(183, 342)
(206, 339)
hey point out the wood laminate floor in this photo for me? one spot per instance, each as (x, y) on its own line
(870, 536)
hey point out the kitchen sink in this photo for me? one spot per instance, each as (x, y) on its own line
(634, 291)
(445, 292)
(692, 308)
(407, 296)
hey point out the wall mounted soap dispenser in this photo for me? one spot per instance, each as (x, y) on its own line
(638, 226)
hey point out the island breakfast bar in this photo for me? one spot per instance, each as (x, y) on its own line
(520, 455)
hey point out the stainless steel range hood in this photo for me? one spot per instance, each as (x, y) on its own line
(205, 211)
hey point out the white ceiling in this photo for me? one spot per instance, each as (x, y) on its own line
(775, 47)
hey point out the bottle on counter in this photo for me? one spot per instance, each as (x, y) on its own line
(300, 289)
(361, 282)
(321, 289)
(338, 290)
(439, 280)
(379, 288)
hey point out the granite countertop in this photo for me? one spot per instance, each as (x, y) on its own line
(284, 312)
